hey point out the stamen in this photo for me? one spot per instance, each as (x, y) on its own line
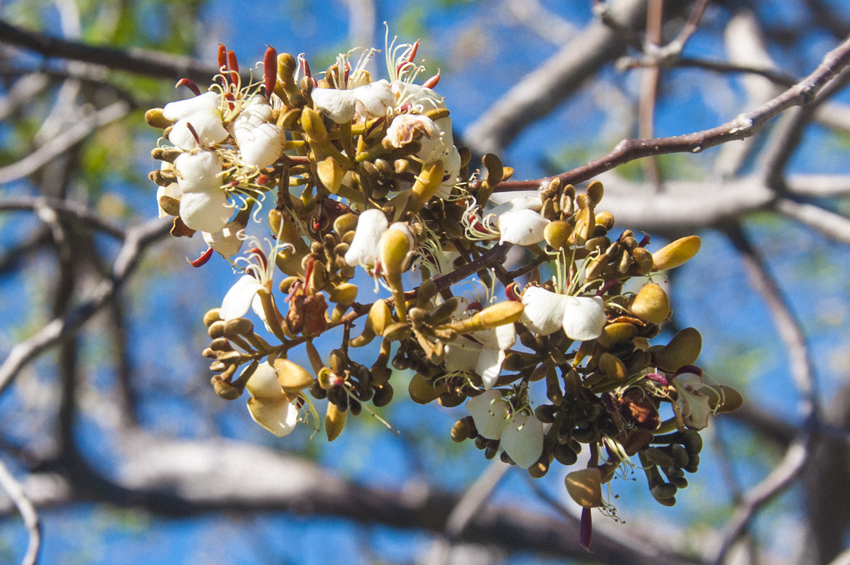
(203, 259)
(433, 81)
(270, 70)
(222, 64)
(194, 133)
(188, 83)
(261, 257)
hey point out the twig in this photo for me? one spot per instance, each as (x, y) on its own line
(28, 513)
(472, 501)
(136, 61)
(67, 209)
(64, 141)
(743, 126)
(797, 456)
(60, 328)
(832, 225)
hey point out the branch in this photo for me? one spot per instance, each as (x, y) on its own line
(67, 209)
(136, 61)
(832, 225)
(28, 513)
(60, 328)
(63, 142)
(742, 127)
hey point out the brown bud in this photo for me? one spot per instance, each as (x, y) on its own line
(585, 487)
(651, 304)
(334, 421)
(683, 349)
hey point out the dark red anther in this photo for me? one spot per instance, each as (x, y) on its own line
(230, 100)
(645, 241)
(609, 284)
(586, 529)
(407, 57)
(433, 81)
(262, 179)
(298, 403)
(405, 108)
(234, 67)
(222, 63)
(305, 66)
(512, 292)
(658, 378)
(378, 268)
(261, 257)
(292, 291)
(194, 133)
(270, 70)
(689, 369)
(477, 306)
(188, 83)
(202, 260)
(374, 125)
(346, 74)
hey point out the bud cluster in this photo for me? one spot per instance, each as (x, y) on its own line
(357, 173)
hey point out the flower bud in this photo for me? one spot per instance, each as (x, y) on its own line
(398, 331)
(383, 395)
(585, 487)
(644, 260)
(380, 316)
(396, 243)
(498, 314)
(613, 367)
(345, 224)
(155, 118)
(334, 421)
(595, 191)
(313, 125)
(557, 233)
(344, 294)
(616, 333)
(212, 316)
(677, 253)
(421, 391)
(651, 304)
(291, 376)
(683, 349)
(330, 173)
(224, 389)
(426, 185)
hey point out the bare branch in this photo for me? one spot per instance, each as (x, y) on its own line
(64, 141)
(743, 126)
(67, 209)
(137, 240)
(136, 61)
(28, 513)
(832, 225)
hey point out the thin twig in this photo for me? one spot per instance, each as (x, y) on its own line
(25, 507)
(743, 126)
(67, 209)
(832, 225)
(60, 328)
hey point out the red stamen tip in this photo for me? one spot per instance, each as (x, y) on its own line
(433, 81)
(270, 70)
(203, 259)
(191, 129)
(188, 83)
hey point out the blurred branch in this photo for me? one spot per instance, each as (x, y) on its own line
(743, 126)
(63, 141)
(137, 239)
(22, 91)
(798, 454)
(66, 209)
(832, 225)
(537, 93)
(136, 61)
(28, 513)
(536, 18)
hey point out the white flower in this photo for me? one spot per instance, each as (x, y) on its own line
(203, 204)
(226, 241)
(452, 164)
(521, 435)
(482, 352)
(420, 98)
(172, 191)
(259, 275)
(693, 403)
(581, 317)
(260, 142)
(364, 248)
(373, 99)
(522, 227)
(338, 105)
(406, 127)
(269, 405)
(242, 296)
(203, 114)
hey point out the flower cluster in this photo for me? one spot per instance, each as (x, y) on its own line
(359, 173)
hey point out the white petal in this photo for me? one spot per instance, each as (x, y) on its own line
(172, 191)
(522, 227)
(205, 211)
(406, 127)
(206, 124)
(489, 413)
(584, 317)
(421, 98)
(278, 417)
(338, 105)
(226, 241)
(519, 203)
(238, 299)
(452, 165)
(438, 145)
(544, 310)
(263, 384)
(462, 355)
(198, 172)
(364, 248)
(206, 102)
(489, 366)
(373, 99)
(259, 146)
(522, 439)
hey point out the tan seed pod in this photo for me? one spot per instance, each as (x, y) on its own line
(676, 253)
(585, 487)
(616, 333)
(595, 191)
(238, 326)
(683, 349)
(216, 330)
(557, 233)
(612, 366)
(292, 377)
(651, 304)
(334, 421)
(212, 316)
(421, 391)
(155, 118)
(461, 429)
(604, 218)
(380, 316)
